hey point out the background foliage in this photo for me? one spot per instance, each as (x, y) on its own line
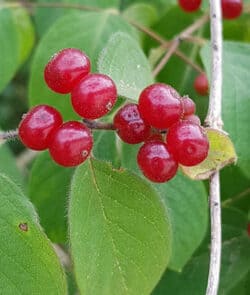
(125, 235)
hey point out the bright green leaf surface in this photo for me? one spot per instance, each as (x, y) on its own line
(88, 31)
(48, 191)
(221, 153)
(236, 97)
(186, 203)
(16, 39)
(28, 264)
(124, 61)
(119, 231)
(193, 279)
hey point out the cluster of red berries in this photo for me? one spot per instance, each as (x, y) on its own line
(163, 120)
(170, 130)
(230, 8)
(92, 96)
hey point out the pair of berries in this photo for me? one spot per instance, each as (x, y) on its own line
(162, 110)
(92, 96)
(230, 8)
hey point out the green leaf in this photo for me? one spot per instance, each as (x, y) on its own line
(88, 31)
(236, 97)
(45, 17)
(8, 165)
(119, 231)
(221, 153)
(186, 204)
(193, 279)
(235, 188)
(105, 147)
(17, 39)
(124, 61)
(48, 191)
(28, 264)
(141, 13)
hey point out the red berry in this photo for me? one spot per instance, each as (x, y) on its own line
(231, 8)
(188, 143)
(65, 69)
(130, 126)
(188, 106)
(192, 118)
(71, 144)
(160, 105)
(37, 125)
(155, 161)
(201, 84)
(94, 96)
(189, 5)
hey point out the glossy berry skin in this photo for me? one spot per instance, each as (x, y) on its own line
(231, 8)
(155, 161)
(192, 118)
(160, 105)
(201, 84)
(188, 143)
(71, 144)
(189, 5)
(129, 125)
(37, 125)
(65, 69)
(94, 96)
(188, 106)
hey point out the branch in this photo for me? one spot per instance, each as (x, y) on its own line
(8, 135)
(28, 4)
(214, 120)
(98, 125)
(174, 44)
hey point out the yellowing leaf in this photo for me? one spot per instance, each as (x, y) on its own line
(221, 153)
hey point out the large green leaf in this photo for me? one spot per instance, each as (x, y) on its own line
(88, 31)
(48, 191)
(236, 97)
(119, 231)
(186, 203)
(16, 38)
(193, 279)
(124, 61)
(28, 264)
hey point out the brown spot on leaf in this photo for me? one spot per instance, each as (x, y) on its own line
(23, 226)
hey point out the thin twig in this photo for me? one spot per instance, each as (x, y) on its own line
(8, 135)
(174, 44)
(49, 5)
(236, 198)
(214, 120)
(98, 125)
(166, 57)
